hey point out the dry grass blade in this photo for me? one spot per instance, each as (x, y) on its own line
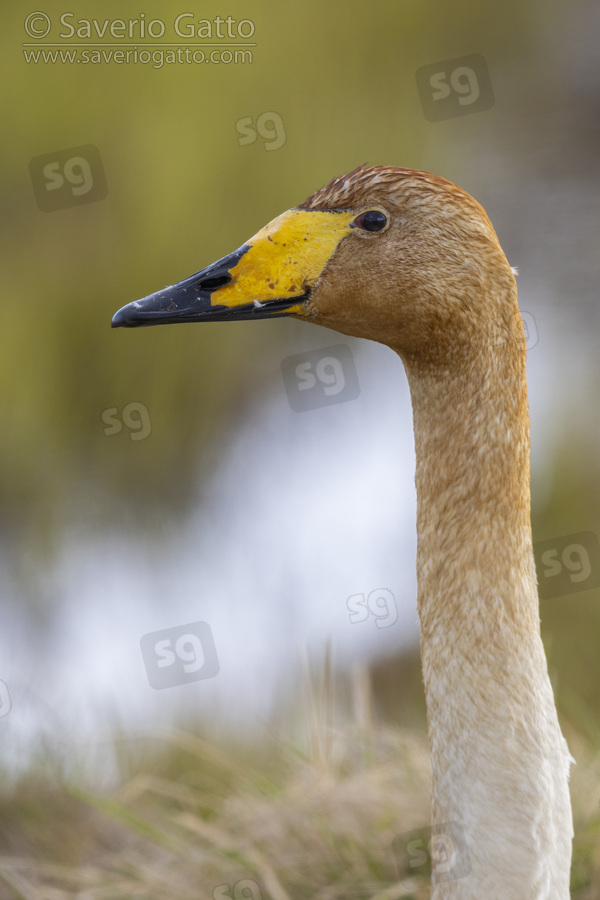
(293, 828)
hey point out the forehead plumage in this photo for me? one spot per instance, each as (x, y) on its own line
(371, 184)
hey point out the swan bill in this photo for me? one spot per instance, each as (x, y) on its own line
(269, 276)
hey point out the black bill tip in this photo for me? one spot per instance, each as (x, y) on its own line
(191, 300)
(187, 301)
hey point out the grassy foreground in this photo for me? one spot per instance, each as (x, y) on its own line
(331, 821)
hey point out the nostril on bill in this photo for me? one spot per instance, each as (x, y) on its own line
(211, 284)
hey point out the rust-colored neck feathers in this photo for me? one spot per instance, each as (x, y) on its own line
(437, 288)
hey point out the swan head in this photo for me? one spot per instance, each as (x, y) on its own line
(396, 255)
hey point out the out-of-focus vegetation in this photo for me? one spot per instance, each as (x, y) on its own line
(182, 192)
(323, 817)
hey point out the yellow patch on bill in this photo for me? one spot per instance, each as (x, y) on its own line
(285, 258)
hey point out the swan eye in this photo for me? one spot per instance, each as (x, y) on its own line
(373, 220)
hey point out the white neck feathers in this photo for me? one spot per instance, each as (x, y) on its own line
(499, 762)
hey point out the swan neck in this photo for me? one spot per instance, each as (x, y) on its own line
(499, 762)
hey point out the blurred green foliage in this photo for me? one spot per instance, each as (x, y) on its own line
(182, 192)
(324, 816)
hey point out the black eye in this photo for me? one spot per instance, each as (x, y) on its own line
(373, 220)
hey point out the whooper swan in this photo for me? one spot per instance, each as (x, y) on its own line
(412, 261)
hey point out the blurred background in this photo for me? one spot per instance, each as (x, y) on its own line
(155, 478)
